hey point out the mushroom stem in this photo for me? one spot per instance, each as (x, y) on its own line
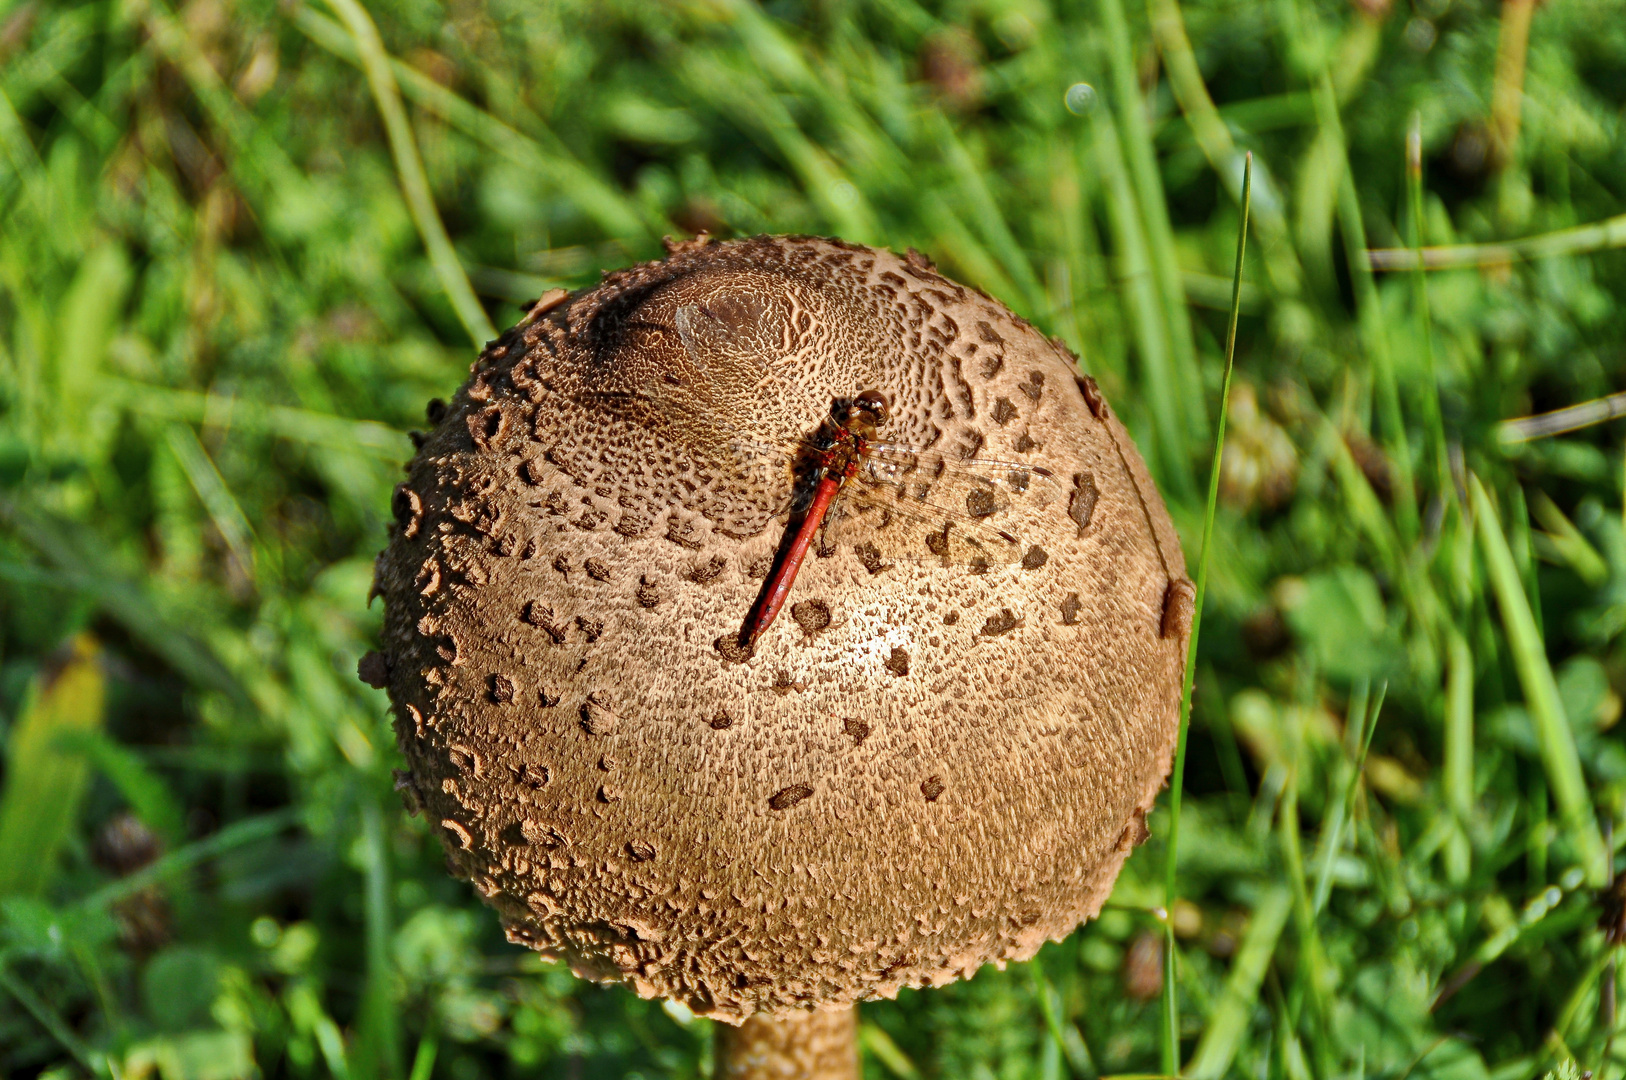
(808, 1046)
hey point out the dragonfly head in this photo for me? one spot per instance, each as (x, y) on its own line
(863, 414)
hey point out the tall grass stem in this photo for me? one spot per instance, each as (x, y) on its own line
(1433, 414)
(1580, 240)
(409, 170)
(1171, 1008)
(1559, 757)
(1145, 315)
(1213, 137)
(541, 152)
(1186, 386)
(45, 783)
(1369, 310)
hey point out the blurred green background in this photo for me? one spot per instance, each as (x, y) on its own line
(243, 242)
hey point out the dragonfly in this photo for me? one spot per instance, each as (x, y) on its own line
(890, 501)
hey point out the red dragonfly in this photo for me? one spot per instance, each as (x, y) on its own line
(892, 502)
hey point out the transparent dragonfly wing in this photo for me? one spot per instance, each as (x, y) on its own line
(785, 475)
(908, 504)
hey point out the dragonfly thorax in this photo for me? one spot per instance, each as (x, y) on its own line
(842, 461)
(852, 422)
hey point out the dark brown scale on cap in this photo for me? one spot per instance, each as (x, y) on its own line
(374, 670)
(1092, 397)
(811, 615)
(868, 717)
(785, 798)
(1081, 503)
(1001, 622)
(1178, 602)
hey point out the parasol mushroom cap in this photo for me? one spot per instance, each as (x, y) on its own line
(927, 767)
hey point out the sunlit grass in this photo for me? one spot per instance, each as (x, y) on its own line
(1177, 776)
(229, 283)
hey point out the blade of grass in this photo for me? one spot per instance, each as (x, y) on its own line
(75, 556)
(1522, 544)
(89, 961)
(1623, 498)
(143, 789)
(1065, 1036)
(1268, 112)
(26, 351)
(1049, 1059)
(1420, 308)
(1214, 138)
(304, 1004)
(1582, 995)
(215, 495)
(1558, 754)
(409, 170)
(1186, 386)
(1371, 726)
(755, 108)
(1314, 976)
(599, 200)
(45, 781)
(281, 421)
(1459, 753)
(235, 835)
(423, 1062)
(1171, 1031)
(1360, 719)
(985, 213)
(48, 1018)
(1068, 271)
(880, 1045)
(1539, 837)
(1566, 542)
(1233, 1010)
(86, 320)
(958, 247)
(1135, 278)
(1559, 421)
(1367, 512)
(1580, 240)
(381, 1026)
(1374, 328)
(1507, 95)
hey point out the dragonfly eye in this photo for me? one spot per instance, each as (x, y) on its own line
(867, 410)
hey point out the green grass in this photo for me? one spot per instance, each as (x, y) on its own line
(1177, 772)
(242, 243)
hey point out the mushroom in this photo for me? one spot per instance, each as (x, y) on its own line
(932, 764)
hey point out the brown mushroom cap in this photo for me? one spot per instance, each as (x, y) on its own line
(920, 771)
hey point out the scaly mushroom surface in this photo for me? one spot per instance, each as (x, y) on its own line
(930, 765)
